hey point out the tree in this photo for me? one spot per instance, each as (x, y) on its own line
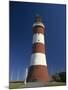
(62, 76)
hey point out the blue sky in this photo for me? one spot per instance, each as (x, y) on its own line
(22, 17)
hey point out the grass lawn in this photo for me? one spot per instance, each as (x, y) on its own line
(18, 84)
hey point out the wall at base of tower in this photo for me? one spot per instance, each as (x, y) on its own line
(38, 73)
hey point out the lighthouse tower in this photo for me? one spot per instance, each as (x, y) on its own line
(38, 66)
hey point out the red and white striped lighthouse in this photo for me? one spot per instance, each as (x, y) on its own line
(38, 66)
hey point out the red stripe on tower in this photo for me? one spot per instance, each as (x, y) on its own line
(38, 66)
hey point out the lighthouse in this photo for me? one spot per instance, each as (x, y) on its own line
(38, 71)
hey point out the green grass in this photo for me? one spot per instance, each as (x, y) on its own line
(55, 84)
(17, 84)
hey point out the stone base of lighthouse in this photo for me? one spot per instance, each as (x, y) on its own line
(37, 73)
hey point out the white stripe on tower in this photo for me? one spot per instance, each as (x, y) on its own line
(38, 24)
(38, 38)
(38, 59)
